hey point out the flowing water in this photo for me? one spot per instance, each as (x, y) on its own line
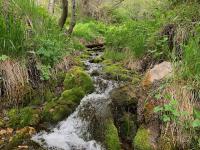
(74, 133)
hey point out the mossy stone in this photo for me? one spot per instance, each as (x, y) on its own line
(54, 112)
(74, 95)
(142, 140)
(77, 78)
(116, 72)
(112, 141)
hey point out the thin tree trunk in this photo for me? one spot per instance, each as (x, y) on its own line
(73, 17)
(64, 15)
(51, 6)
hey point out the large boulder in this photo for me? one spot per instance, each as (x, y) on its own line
(157, 73)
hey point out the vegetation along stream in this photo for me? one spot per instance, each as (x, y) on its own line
(99, 75)
(75, 132)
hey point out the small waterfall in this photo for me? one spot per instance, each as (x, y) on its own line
(74, 132)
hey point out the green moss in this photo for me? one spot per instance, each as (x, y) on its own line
(73, 95)
(56, 110)
(23, 117)
(117, 72)
(77, 78)
(142, 140)
(112, 141)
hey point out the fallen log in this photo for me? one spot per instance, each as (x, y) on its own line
(94, 45)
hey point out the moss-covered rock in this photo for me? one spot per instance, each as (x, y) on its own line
(142, 140)
(58, 109)
(74, 95)
(116, 72)
(23, 117)
(54, 112)
(112, 141)
(77, 78)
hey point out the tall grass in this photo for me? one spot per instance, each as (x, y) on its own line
(131, 35)
(26, 26)
(191, 60)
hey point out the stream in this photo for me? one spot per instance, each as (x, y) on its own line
(74, 133)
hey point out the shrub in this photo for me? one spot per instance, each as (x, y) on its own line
(26, 116)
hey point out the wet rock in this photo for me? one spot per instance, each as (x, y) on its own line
(124, 107)
(157, 73)
(95, 73)
(124, 96)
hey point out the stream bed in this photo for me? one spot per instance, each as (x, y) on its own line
(74, 132)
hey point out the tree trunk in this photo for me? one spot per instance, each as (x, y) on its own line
(73, 17)
(64, 15)
(51, 6)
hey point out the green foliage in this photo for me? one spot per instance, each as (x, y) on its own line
(169, 111)
(45, 72)
(196, 122)
(77, 78)
(3, 57)
(191, 60)
(26, 116)
(89, 30)
(112, 141)
(142, 140)
(114, 55)
(26, 26)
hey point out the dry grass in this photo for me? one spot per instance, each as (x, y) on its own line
(14, 82)
(180, 135)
